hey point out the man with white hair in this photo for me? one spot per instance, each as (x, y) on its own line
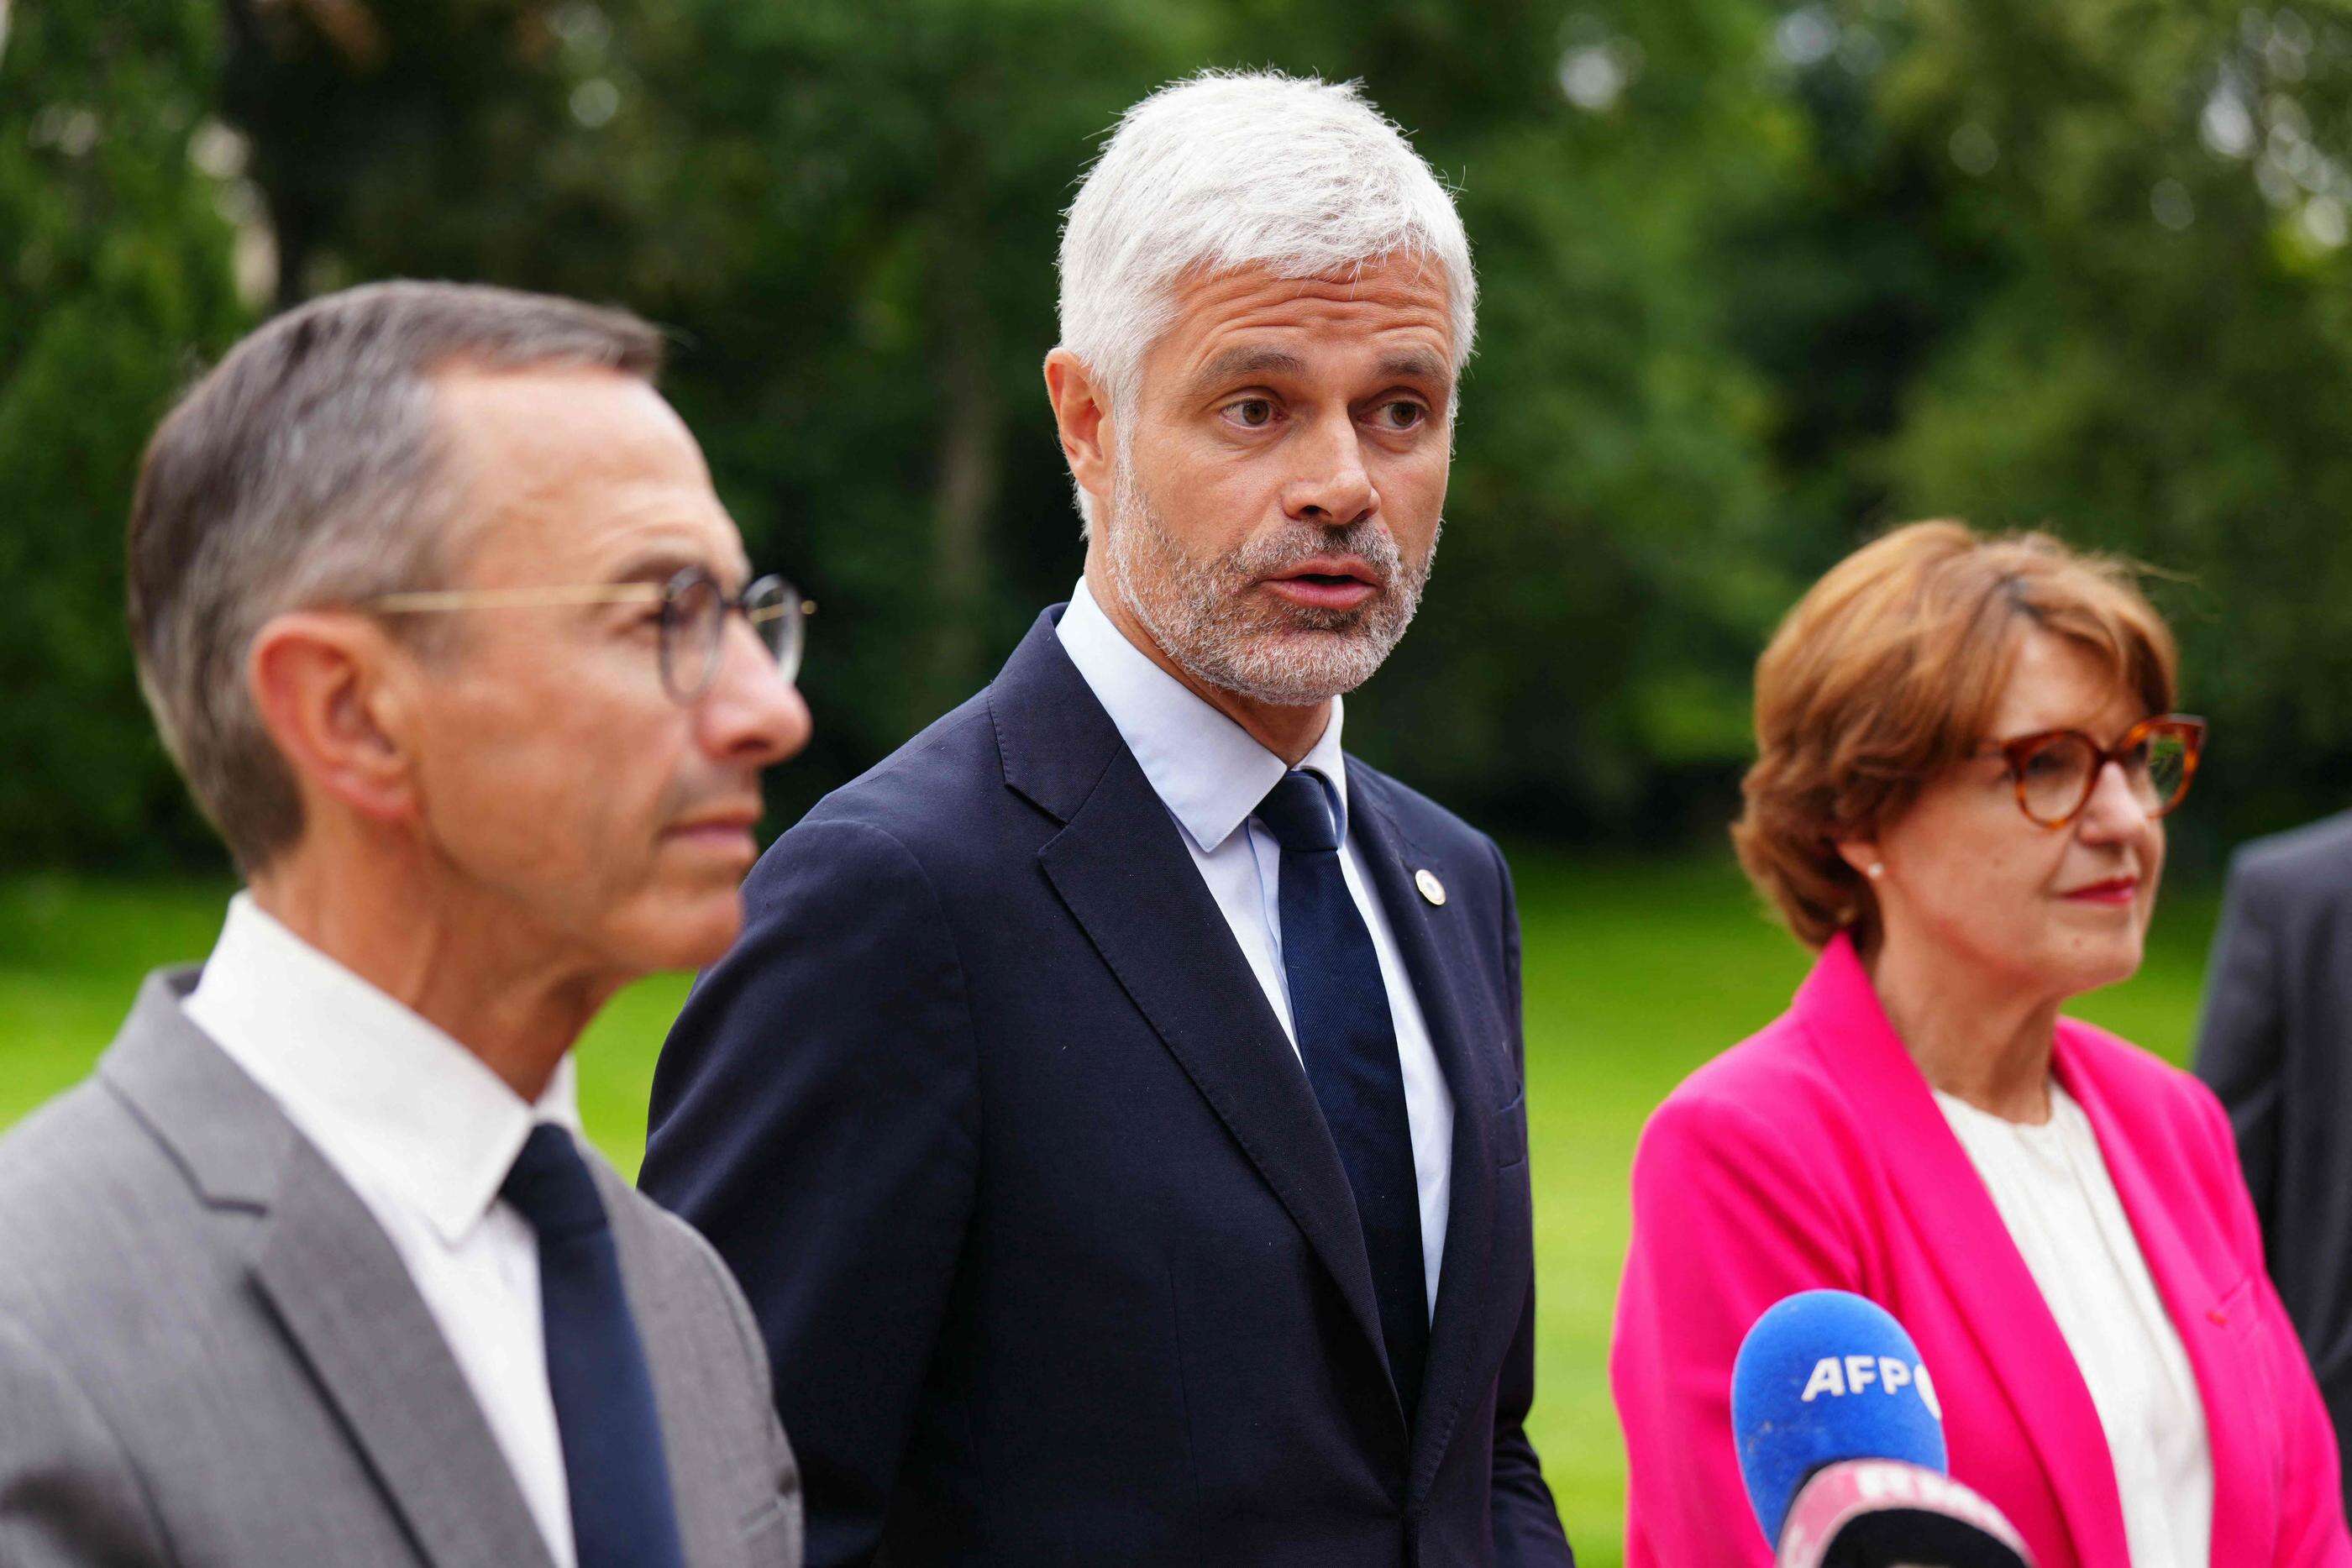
(1113, 1107)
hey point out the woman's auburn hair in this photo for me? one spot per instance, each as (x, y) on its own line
(1889, 671)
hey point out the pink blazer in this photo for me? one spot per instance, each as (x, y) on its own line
(1814, 1154)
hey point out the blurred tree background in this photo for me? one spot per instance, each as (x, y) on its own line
(1759, 280)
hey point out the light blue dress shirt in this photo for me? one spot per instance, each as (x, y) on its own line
(1211, 775)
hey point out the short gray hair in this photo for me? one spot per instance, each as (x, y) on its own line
(1228, 170)
(306, 470)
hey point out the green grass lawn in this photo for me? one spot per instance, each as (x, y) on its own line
(1636, 972)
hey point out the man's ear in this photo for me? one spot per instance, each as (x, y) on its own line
(327, 684)
(1082, 416)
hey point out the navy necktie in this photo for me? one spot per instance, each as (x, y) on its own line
(1339, 1010)
(622, 1512)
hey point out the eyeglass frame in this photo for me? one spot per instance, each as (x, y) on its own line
(2017, 752)
(429, 601)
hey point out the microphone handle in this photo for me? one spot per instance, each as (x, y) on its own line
(1885, 1513)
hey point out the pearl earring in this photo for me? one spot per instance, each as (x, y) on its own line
(1876, 871)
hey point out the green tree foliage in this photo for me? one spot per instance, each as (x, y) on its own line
(2084, 267)
(2163, 365)
(1600, 592)
(846, 213)
(116, 262)
(1758, 280)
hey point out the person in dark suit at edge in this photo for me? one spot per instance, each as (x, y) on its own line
(2275, 1043)
(1113, 1108)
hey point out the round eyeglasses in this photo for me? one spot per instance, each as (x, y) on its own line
(692, 623)
(2056, 771)
(694, 628)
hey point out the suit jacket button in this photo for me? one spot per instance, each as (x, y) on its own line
(1431, 888)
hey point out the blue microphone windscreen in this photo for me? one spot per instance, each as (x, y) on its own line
(1826, 1376)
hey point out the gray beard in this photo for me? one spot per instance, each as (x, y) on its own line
(1205, 616)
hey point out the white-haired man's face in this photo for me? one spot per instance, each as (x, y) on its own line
(1274, 498)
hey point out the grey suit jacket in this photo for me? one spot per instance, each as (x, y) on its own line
(2276, 1046)
(210, 1353)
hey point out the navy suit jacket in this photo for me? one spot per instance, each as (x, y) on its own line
(1055, 1257)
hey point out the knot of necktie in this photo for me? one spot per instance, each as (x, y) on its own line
(551, 1186)
(1297, 812)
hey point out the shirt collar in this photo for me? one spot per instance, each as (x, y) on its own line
(1206, 770)
(1326, 758)
(371, 1082)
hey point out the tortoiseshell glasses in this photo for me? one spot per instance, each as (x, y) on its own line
(2057, 771)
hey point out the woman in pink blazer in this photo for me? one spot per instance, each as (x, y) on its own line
(1965, 751)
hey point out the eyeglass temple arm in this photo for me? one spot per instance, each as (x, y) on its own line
(517, 598)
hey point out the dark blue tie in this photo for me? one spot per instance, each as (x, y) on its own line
(622, 1512)
(1339, 1010)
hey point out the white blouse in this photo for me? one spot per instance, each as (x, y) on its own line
(2053, 1189)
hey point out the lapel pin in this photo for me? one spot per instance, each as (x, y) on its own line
(1431, 888)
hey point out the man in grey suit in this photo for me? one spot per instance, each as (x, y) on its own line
(444, 624)
(2276, 1045)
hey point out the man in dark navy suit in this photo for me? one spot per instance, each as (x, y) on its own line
(1113, 1109)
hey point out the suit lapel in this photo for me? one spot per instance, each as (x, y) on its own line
(705, 1484)
(1982, 1270)
(1123, 872)
(1472, 1299)
(1120, 867)
(2244, 1511)
(329, 1274)
(346, 1301)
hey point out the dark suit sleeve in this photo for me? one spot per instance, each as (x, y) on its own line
(815, 1117)
(68, 1494)
(1526, 1521)
(2241, 1038)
